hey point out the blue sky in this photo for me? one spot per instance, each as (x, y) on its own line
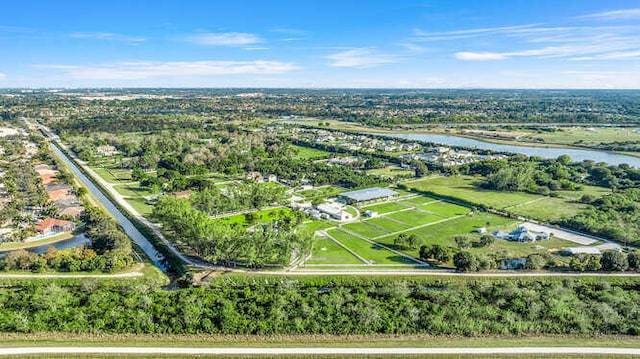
(395, 44)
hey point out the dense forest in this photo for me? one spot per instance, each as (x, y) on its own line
(373, 107)
(328, 306)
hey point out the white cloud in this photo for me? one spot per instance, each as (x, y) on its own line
(289, 31)
(108, 36)
(359, 58)
(145, 70)
(421, 36)
(2, 75)
(624, 14)
(224, 39)
(479, 56)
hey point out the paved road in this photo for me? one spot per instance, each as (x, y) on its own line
(318, 351)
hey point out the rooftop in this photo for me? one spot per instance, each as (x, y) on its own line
(369, 193)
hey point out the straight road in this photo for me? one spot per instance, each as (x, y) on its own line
(320, 351)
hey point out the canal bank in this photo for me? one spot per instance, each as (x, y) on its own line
(130, 229)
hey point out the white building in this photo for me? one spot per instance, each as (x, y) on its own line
(335, 211)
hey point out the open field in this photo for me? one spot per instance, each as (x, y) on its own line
(464, 188)
(266, 215)
(587, 135)
(387, 224)
(326, 251)
(132, 190)
(371, 252)
(365, 229)
(310, 153)
(141, 205)
(112, 175)
(321, 192)
(524, 204)
(390, 172)
(549, 209)
(386, 207)
(414, 217)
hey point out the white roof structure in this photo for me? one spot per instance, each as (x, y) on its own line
(585, 250)
(331, 209)
(369, 194)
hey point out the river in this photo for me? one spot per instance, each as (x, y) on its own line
(123, 221)
(576, 155)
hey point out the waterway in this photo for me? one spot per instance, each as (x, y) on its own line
(544, 152)
(75, 241)
(123, 221)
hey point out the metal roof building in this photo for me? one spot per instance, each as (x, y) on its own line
(368, 194)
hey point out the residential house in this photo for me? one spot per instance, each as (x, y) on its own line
(75, 211)
(183, 194)
(50, 226)
(522, 234)
(106, 150)
(256, 176)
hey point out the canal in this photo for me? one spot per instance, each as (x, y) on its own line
(123, 221)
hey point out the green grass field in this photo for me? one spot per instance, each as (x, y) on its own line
(390, 172)
(371, 252)
(464, 188)
(310, 153)
(366, 230)
(141, 205)
(588, 135)
(388, 224)
(549, 209)
(385, 207)
(415, 217)
(326, 251)
(321, 192)
(132, 190)
(267, 215)
(445, 209)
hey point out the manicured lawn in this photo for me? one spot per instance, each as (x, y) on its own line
(326, 191)
(387, 207)
(550, 209)
(310, 153)
(375, 254)
(107, 176)
(419, 201)
(132, 190)
(312, 226)
(364, 229)
(326, 251)
(388, 224)
(140, 205)
(464, 188)
(414, 217)
(390, 172)
(445, 209)
(265, 216)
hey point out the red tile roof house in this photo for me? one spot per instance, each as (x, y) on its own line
(183, 194)
(49, 226)
(74, 211)
(59, 194)
(47, 178)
